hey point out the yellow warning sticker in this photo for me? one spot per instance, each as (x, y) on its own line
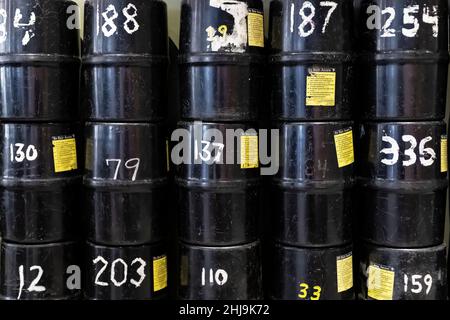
(159, 273)
(343, 140)
(321, 88)
(380, 283)
(64, 153)
(249, 152)
(444, 154)
(255, 29)
(344, 266)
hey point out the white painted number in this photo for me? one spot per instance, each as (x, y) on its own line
(130, 25)
(131, 164)
(33, 287)
(219, 277)
(19, 155)
(3, 31)
(307, 13)
(206, 151)
(116, 266)
(416, 283)
(427, 156)
(411, 23)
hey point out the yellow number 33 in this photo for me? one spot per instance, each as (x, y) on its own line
(304, 292)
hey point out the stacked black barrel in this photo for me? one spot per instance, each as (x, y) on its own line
(39, 142)
(125, 61)
(217, 176)
(311, 71)
(403, 62)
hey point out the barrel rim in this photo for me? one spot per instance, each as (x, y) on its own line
(222, 58)
(38, 58)
(126, 59)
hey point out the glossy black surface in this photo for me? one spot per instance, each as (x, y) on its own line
(40, 64)
(125, 206)
(293, 269)
(294, 57)
(311, 196)
(236, 272)
(56, 267)
(125, 71)
(406, 264)
(218, 204)
(113, 283)
(403, 77)
(223, 83)
(38, 204)
(402, 205)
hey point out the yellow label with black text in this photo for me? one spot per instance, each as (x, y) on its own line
(344, 147)
(255, 29)
(321, 89)
(249, 152)
(380, 283)
(344, 266)
(64, 154)
(444, 155)
(159, 273)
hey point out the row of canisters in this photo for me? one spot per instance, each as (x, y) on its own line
(308, 162)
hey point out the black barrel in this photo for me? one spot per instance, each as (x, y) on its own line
(221, 62)
(219, 273)
(125, 183)
(40, 272)
(125, 273)
(218, 183)
(403, 274)
(402, 183)
(311, 67)
(39, 60)
(403, 59)
(312, 192)
(40, 182)
(125, 60)
(311, 273)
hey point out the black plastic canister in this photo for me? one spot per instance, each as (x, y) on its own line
(40, 272)
(311, 194)
(218, 183)
(125, 273)
(125, 60)
(40, 182)
(125, 183)
(403, 59)
(221, 59)
(311, 273)
(219, 273)
(311, 67)
(403, 274)
(39, 60)
(402, 183)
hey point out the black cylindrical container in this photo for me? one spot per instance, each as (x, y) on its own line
(219, 273)
(40, 182)
(125, 183)
(403, 61)
(125, 273)
(312, 191)
(402, 183)
(40, 272)
(403, 274)
(311, 273)
(218, 183)
(125, 60)
(221, 62)
(311, 60)
(39, 60)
